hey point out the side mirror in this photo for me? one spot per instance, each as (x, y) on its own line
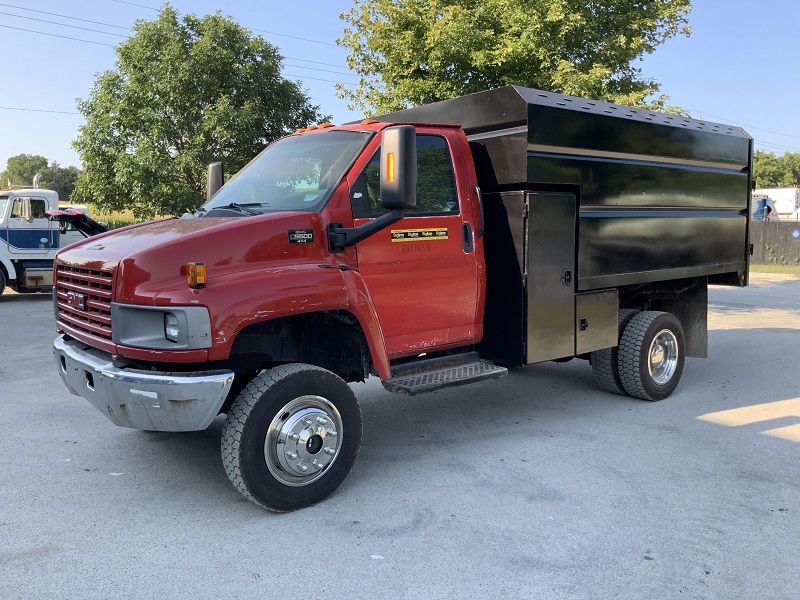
(215, 179)
(399, 168)
(25, 211)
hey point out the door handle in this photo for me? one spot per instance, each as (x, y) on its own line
(466, 230)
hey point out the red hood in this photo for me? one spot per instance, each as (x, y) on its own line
(115, 245)
(151, 256)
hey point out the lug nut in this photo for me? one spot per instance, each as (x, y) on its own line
(307, 421)
(292, 455)
(304, 468)
(330, 451)
(322, 420)
(295, 436)
(331, 432)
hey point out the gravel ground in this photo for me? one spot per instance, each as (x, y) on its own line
(537, 486)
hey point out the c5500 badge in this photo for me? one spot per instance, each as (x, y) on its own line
(413, 235)
(301, 236)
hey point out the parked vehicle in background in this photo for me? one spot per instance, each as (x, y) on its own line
(764, 208)
(69, 233)
(29, 238)
(785, 201)
(432, 247)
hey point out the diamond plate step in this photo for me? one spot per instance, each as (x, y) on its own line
(423, 376)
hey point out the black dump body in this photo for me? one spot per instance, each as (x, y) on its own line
(659, 197)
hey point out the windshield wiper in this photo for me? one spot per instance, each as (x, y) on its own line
(240, 207)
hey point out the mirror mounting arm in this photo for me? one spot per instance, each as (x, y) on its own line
(340, 237)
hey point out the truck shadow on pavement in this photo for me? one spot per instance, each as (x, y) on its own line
(538, 408)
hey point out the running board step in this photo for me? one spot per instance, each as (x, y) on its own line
(423, 376)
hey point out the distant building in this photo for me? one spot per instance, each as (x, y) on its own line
(786, 200)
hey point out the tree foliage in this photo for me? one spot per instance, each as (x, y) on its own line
(410, 52)
(771, 170)
(20, 170)
(184, 92)
(60, 179)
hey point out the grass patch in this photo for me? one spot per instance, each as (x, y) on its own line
(788, 269)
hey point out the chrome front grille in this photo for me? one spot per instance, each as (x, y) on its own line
(83, 298)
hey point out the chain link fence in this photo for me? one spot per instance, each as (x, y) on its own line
(775, 242)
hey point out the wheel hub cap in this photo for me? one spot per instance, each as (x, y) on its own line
(663, 356)
(303, 440)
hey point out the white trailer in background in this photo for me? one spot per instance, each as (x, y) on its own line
(787, 200)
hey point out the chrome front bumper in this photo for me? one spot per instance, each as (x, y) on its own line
(141, 399)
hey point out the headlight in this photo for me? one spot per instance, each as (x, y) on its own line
(167, 328)
(172, 330)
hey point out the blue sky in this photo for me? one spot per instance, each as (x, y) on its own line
(738, 66)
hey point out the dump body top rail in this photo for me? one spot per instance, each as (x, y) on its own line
(660, 196)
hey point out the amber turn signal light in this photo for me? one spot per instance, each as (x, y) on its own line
(390, 167)
(196, 274)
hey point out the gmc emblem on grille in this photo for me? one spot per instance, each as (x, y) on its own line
(76, 300)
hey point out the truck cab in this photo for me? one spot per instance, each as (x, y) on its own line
(28, 239)
(433, 247)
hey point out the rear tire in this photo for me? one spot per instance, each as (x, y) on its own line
(2, 282)
(651, 355)
(291, 437)
(604, 362)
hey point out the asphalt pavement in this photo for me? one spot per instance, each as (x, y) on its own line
(537, 486)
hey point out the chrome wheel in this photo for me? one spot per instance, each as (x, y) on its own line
(303, 440)
(663, 356)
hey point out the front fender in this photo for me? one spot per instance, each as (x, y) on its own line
(238, 299)
(9, 267)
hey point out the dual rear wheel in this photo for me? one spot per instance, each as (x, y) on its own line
(648, 362)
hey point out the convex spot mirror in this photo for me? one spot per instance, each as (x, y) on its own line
(399, 168)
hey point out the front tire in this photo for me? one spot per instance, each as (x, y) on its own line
(651, 355)
(291, 437)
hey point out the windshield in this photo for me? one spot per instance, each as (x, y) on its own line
(294, 173)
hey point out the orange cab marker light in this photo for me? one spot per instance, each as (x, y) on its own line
(368, 121)
(390, 167)
(196, 274)
(326, 125)
(311, 128)
(301, 130)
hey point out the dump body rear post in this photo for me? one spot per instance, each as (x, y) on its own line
(433, 247)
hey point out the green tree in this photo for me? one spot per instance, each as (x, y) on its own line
(184, 92)
(21, 168)
(60, 179)
(771, 170)
(410, 52)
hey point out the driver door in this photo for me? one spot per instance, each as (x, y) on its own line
(28, 230)
(422, 272)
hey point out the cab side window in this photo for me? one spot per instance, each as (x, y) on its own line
(29, 208)
(38, 208)
(436, 184)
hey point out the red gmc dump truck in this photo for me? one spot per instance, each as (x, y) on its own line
(433, 247)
